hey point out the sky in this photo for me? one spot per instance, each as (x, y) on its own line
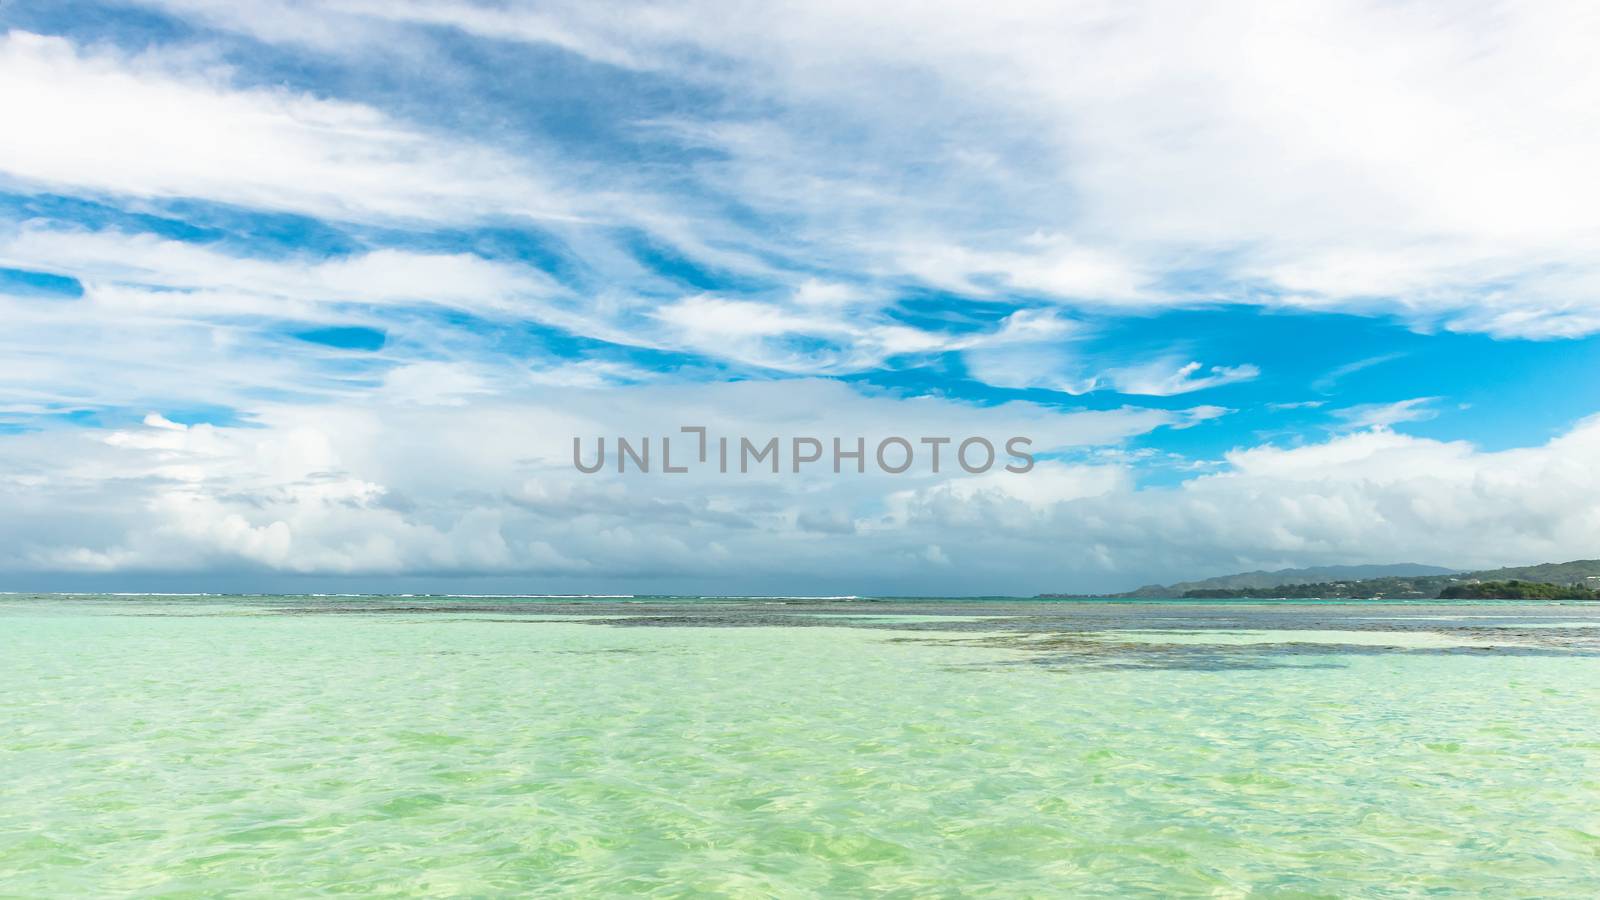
(316, 296)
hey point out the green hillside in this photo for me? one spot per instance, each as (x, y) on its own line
(1554, 573)
(1518, 590)
(1578, 579)
(1314, 575)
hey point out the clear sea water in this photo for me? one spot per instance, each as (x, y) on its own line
(294, 747)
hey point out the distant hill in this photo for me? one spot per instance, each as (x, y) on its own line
(1401, 580)
(1574, 572)
(1312, 575)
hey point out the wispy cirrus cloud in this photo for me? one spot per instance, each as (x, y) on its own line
(1126, 150)
(1057, 365)
(1385, 415)
(1328, 382)
(1167, 378)
(1085, 174)
(159, 125)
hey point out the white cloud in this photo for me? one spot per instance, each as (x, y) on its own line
(1166, 377)
(1372, 496)
(588, 373)
(163, 321)
(147, 126)
(405, 481)
(1328, 382)
(1051, 265)
(157, 283)
(390, 487)
(1109, 156)
(1051, 366)
(805, 337)
(1384, 415)
(433, 384)
(1424, 159)
(1055, 366)
(229, 283)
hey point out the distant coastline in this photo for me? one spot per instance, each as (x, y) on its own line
(1575, 580)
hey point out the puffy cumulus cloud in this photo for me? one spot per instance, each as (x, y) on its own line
(398, 486)
(1402, 497)
(1372, 496)
(388, 490)
(196, 498)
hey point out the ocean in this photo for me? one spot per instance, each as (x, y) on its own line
(758, 747)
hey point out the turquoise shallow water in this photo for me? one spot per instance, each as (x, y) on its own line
(297, 747)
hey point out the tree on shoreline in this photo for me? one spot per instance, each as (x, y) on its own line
(1517, 590)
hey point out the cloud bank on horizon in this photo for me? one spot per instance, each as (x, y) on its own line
(317, 294)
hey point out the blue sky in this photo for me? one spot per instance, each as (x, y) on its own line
(314, 296)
